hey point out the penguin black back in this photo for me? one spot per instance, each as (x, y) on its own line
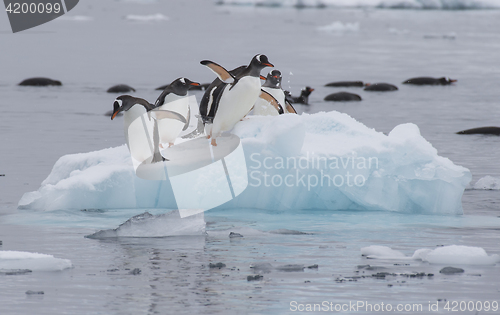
(179, 86)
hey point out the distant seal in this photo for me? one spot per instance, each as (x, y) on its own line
(381, 87)
(40, 82)
(429, 81)
(481, 131)
(120, 88)
(343, 97)
(346, 84)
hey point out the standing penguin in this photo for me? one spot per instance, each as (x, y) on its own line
(233, 99)
(173, 98)
(141, 131)
(273, 87)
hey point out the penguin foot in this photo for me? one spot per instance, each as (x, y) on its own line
(161, 146)
(170, 144)
(213, 142)
(208, 137)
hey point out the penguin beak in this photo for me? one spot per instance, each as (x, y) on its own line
(195, 83)
(451, 80)
(262, 77)
(116, 110)
(114, 115)
(267, 64)
(275, 76)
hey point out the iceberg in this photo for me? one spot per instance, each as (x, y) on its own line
(453, 254)
(325, 161)
(14, 260)
(487, 183)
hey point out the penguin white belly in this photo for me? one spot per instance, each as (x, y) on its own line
(235, 104)
(169, 129)
(139, 132)
(263, 108)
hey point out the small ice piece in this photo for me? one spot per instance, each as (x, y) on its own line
(338, 26)
(381, 252)
(32, 261)
(461, 255)
(148, 225)
(488, 183)
(147, 18)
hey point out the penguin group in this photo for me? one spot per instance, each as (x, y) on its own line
(228, 99)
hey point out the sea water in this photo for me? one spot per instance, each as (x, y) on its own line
(101, 45)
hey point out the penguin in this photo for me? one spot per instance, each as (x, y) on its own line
(228, 102)
(273, 87)
(481, 131)
(346, 84)
(141, 130)
(429, 81)
(303, 98)
(40, 82)
(343, 97)
(173, 98)
(381, 87)
(201, 87)
(120, 88)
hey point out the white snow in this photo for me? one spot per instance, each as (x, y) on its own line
(12, 260)
(488, 183)
(391, 4)
(321, 161)
(338, 26)
(446, 255)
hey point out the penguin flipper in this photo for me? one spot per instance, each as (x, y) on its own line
(188, 119)
(290, 108)
(224, 75)
(159, 114)
(161, 99)
(269, 98)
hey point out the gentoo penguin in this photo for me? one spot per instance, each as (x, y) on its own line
(429, 81)
(120, 88)
(228, 102)
(343, 97)
(346, 84)
(303, 98)
(481, 131)
(173, 98)
(201, 87)
(40, 82)
(273, 87)
(141, 131)
(381, 87)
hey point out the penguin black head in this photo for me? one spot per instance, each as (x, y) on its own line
(181, 86)
(446, 81)
(307, 91)
(260, 62)
(273, 79)
(125, 102)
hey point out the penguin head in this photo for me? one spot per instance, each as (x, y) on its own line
(307, 91)
(125, 102)
(260, 62)
(181, 86)
(445, 81)
(273, 79)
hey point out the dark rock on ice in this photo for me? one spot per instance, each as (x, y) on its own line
(451, 270)
(381, 87)
(262, 267)
(29, 292)
(313, 267)
(233, 234)
(218, 265)
(135, 271)
(120, 88)
(343, 97)
(254, 278)
(481, 131)
(14, 272)
(40, 82)
(429, 81)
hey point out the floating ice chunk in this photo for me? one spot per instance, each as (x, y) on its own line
(147, 18)
(10, 260)
(148, 225)
(339, 27)
(325, 161)
(453, 254)
(381, 252)
(488, 183)
(460, 255)
(75, 18)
